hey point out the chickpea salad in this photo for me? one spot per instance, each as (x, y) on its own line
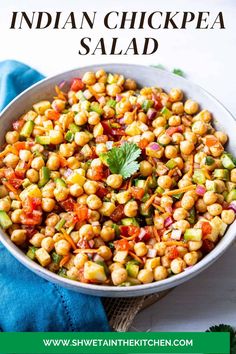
(115, 185)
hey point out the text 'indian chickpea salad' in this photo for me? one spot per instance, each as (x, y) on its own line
(108, 184)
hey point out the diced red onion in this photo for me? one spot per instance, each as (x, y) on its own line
(61, 84)
(87, 94)
(102, 100)
(196, 165)
(142, 234)
(151, 113)
(98, 258)
(232, 206)
(169, 209)
(200, 190)
(180, 129)
(154, 146)
(121, 121)
(68, 172)
(152, 252)
(91, 243)
(176, 235)
(118, 98)
(168, 221)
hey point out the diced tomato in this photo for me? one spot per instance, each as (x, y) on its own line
(21, 145)
(82, 243)
(172, 252)
(106, 127)
(207, 246)
(18, 125)
(68, 204)
(9, 173)
(52, 115)
(102, 192)
(35, 218)
(31, 204)
(101, 139)
(143, 143)
(171, 130)
(122, 245)
(211, 141)
(81, 212)
(81, 277)
(63, 161)
(97, 173)
(77, 84)
(30, 231)
(119, 132)
(145, 233)
(118, 213)
(129, 230)
(206, 228)
(137, 193)
(15, 182)
(157, 101)
(20, 169)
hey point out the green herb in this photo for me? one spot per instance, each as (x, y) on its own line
(226, 328)
(178, 72)
(122, 160)
(159, 66)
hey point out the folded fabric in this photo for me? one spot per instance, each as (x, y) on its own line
(28, 302)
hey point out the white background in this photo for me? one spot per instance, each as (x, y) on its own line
(206, 56)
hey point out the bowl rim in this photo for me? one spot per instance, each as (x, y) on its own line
(116, 291)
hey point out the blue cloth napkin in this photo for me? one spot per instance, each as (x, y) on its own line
(29, 303)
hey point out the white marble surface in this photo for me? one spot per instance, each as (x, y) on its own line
(208, 58)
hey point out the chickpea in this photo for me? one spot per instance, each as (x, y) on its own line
(86, 231)
(107, 233)
(100, 148)
(81, 138)
(52, 220)
(191, 258)
(194, 245)
(187, 202)
(12, 137)
(62, 247)
(179, 162)
(228, 216)
(48, 244)
(90, 187)
(182, 225)
(11, 160)
(115, 265)
(16, 216)
(53, 162)
(174, 121)
(25, 155)
(191, 107)
(101, 76)
(201, 206)
(128, 118)
(73, 163)
(180, 214)
(119, 276)
(159, 223)
(37, 163)
(222, 137)
(130, 85)
(76, 190)
(56, 137)
(192, 194)
(175, 95)
(18, 237)
(214, 209)
(220, 185)
(170, 151)
(3, 191)
(177, 138)
(159, 122)
(123, 106)
(113, 90)
(82, 199)
(57, 237)
(49, 231)
(80, 260)
(158, 131)
(140, 249)
(145, 168)
(186, 147)
(190, 136)
(233, 175)
(105, 252)
(94, 202)
(165, 261)
(160, 247)
(81, 118)
(99, 87)
(209, 198)
(32, 175)
(5, 204)
(94, 118)
(89, 78)
(114, 181)
(199, 127)
(142, 117)
(48, 190)
(145, 276)
(61, 193)
(164, 182)
(160, 273)
(131, 208)
(164, 139)
(177, 265)
(48, 204)
(36, 240)
(66, 150)
(166, 201)
(177, 108)
(58, 105)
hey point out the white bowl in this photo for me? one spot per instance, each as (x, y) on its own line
(144, 76)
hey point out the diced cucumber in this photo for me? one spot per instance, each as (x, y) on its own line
(132, 269)
(152, 183)
(209, 160)
(5, 221)
(221, 173)
(104, 157)
(199, 177)
(31, 252)
(62, 272)
(15, 204)
(117, 229)
(166, 113)
(27, 129)
(103, 264)
(231, 196)
(60, 182)
(56, 258)
(193, 235)
(210, 185)
(147, 104)
(129, 221)
(192, 216)
(139, 183)
(74, 128)
(111, 103)
(121, 256)
(219, 225)
(230, 186)
(145, 212)
(159, 190)
(44, 176)
(43, 140)
(26, 183)
(69, 136)
(60, 224)
(145, 197)
(110, 79)
(171, 164)
(95, 107)
(178, 196)
(41, 107)
(227, 162)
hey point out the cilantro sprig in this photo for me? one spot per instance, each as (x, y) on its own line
(226, 328)
(122, 160)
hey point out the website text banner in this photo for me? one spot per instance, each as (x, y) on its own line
(120, 343)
